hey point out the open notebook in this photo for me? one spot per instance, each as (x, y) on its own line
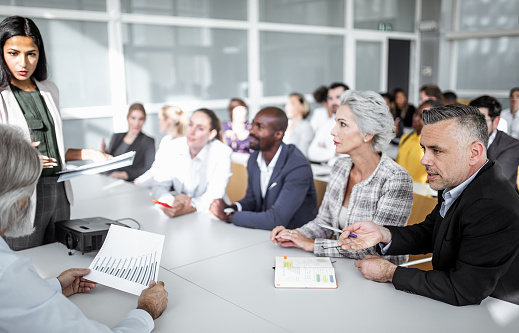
(304, 272)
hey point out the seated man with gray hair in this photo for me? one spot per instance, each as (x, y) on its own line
(473, 232)
(30, 304)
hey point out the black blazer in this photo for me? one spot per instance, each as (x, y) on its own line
(475, 247)
(505, 150)
(144, 148)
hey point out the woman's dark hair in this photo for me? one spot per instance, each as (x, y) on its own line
(21, 26)
(321, 94)
(215, 122)
(234, 103)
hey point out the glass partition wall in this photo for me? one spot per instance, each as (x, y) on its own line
(107, 54)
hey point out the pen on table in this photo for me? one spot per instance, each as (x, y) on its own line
(161, 203)
(336, 230)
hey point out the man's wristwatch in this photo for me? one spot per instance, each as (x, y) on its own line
(229, 213)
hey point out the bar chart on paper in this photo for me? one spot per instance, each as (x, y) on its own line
(128, 260)
(139, 270)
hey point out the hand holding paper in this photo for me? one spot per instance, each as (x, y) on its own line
(128, 260)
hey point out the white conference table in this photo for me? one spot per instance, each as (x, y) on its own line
(188, 238)
(99, 187)
(220, 278)
(190, 307)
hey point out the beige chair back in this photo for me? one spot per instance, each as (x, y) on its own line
(237, 186)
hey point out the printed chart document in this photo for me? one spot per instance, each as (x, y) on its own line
(93, 168)
(304, 272)
(128, 260)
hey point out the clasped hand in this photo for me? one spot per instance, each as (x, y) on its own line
(217, 209)
(291, 238)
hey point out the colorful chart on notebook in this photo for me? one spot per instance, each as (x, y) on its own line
(304, 272)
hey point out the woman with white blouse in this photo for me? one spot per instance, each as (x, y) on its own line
(364, 186)
(198, 167)
(299, 131)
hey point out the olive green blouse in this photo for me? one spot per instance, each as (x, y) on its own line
(41, 125)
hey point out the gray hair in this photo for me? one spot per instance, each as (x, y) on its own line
(372, 116)
(471, 122)
(21, 169)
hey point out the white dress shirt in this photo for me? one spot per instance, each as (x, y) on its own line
(203, 178)
(513, 122)
(266, 170)
(265, 173)
(31, 304)
(318, 117)
(491, 138)
(321, 148)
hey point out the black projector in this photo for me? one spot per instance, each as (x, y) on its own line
(84, 235)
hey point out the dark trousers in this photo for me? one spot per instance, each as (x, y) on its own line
(51, 206)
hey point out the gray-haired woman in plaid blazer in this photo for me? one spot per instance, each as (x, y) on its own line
(364, 186)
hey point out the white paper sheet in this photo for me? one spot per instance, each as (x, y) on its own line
(93, 168)
(128, 260)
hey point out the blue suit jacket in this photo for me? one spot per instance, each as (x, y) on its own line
(290, 199)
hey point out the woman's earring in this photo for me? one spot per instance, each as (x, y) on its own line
(365, 140)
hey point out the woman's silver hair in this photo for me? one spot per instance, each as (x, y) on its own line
(471, 122)
(372, 116)
(21, 169)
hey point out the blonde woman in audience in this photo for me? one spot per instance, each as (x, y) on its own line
(299, 131)
(367, 185)
(197, 166)
(172, 121)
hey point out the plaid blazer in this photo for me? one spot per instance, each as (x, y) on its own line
(385, 198)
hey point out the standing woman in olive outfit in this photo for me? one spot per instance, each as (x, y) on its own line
(29, 101)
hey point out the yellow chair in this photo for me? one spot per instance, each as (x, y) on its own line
(237, 186)
(422, 206)
(320, 188)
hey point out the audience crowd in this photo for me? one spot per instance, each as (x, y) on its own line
(468, 153)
